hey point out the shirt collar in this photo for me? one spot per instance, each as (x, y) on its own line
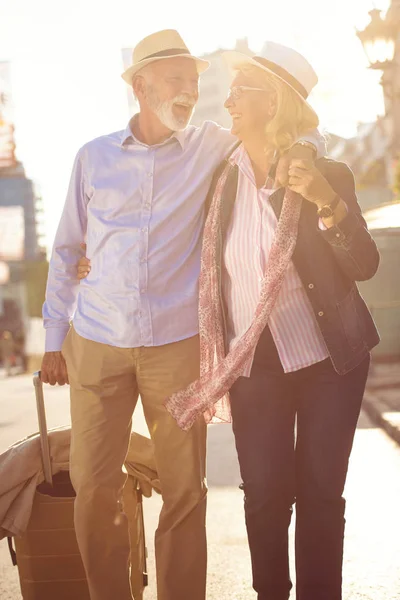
(128, 137)
(237, 156)
(241, 159)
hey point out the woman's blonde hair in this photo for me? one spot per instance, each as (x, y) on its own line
(293, 118)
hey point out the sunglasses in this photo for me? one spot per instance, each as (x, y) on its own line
(237, 91)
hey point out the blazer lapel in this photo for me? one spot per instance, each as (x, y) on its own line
(276, 200)
(308, 210)
(228, 199)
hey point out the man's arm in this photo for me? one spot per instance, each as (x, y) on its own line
(310, 146)
(62, 283)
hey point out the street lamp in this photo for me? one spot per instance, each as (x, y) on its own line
(378, 40)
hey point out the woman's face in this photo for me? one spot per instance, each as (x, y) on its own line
(250, 109)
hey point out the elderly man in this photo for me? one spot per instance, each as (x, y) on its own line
(137, 197)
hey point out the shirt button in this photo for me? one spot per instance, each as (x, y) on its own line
(142, 291)
(150, 174)
(144, 230)
(311, 286)
(321, 313)
(338, 235)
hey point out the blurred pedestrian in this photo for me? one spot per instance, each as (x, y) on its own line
(280, 310)
(7, 351)
(20, 354)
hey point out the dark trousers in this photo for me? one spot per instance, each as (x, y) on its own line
(310, 470)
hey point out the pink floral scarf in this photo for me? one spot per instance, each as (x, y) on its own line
(218, 372)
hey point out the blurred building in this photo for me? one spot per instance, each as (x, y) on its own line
(19, 209)
(7, 145)
(366, 154)
(21, 257)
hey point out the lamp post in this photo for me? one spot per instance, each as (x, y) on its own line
(381, 43)
(378, 40)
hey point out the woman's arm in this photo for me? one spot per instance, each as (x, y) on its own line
(354, 248)
(346, 231)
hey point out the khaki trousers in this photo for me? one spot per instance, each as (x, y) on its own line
(105, 384)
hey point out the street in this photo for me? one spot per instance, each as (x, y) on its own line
(372, 551)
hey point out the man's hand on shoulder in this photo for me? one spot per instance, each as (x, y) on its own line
(297, 151)
(54, 369)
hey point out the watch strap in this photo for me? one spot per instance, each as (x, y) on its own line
(331, 207)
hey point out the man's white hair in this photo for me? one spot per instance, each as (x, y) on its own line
(163, 108)
(148, 75)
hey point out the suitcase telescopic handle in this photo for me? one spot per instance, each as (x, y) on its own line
(44, 438)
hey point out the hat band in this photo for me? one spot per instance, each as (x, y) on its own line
(169, 52)
(283, 74)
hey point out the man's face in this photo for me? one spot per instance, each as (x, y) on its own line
(250, 109)
(171, 91)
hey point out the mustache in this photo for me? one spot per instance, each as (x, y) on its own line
(184, 99)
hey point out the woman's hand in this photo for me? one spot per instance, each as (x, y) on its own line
(308, 181)
(282, 169)
(83, 266)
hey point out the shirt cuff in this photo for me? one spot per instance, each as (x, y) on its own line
(55, 337)
(343, 231)
(316, 139)
(322, 225)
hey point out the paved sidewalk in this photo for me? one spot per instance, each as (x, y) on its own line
(372, 547)
(382, 397)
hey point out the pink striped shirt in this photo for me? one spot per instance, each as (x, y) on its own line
(293, 325)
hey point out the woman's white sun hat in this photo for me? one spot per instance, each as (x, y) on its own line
(158, 46)
(282, 62)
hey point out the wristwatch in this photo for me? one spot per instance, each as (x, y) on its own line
(328, 210)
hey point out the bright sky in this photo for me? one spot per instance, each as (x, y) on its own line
(66, 65)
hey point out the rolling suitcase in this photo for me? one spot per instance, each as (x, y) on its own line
(47, 555)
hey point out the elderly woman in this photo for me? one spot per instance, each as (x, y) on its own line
(283, 327)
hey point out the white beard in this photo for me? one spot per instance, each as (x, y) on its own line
(163, 110)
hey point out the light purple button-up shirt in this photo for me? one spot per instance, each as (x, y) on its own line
(141, 211)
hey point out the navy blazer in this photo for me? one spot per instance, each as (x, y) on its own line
(328, 262)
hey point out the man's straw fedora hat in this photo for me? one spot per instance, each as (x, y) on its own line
(158, 46)
(282, 62)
